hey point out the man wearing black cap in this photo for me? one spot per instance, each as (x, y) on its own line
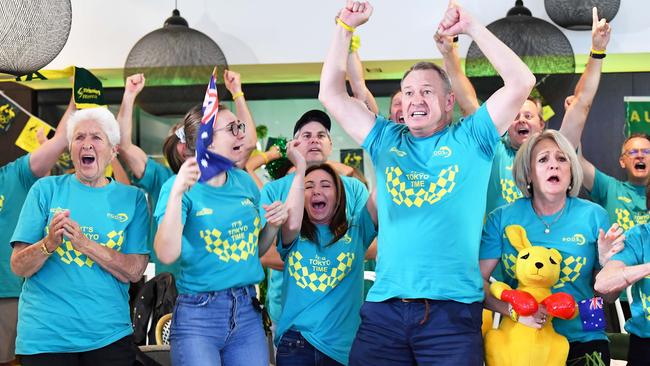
(313, 131)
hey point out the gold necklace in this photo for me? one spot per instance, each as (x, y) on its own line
(547, 226)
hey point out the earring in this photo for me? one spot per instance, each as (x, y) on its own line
(528, 187)
(569, 188)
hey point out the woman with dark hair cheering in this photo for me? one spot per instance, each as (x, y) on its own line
(323, 247)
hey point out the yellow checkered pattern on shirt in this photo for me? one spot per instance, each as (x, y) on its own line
(69, 255)
(509, 262)
(509, 190)
(571, 267)
(410, 196)
(306, 278)
(237, 250)
(645, 302)
(623, 219)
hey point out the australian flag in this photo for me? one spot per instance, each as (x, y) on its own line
(210, 164)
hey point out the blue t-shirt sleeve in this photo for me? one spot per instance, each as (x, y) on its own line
(33, 217)
(154, 176)
(356, 194)
(599, 190)
(482, 130)
(284, 250)
(492, 238)
(138, 229)
(161, 206)
(632, 253)
(375, 139)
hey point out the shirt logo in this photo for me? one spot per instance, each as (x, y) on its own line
(2, 201)
(247, 202)
(347, 239)
(443, 152)
(399, 153)
(579, 239)
(204, 212)
(57, 210)
(624, 199)
(121, 217)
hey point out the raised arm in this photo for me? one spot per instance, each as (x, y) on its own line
(460, 84)
(256, 161)
(517, 78)
(580, 102)
(357, 78)
(296, 198)
(233, 84)
(134, 157)
(351, 113)
(588, 172)
(43, 159)
(169, 236)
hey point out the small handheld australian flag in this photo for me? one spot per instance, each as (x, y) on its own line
(210, 164)
(592, 314)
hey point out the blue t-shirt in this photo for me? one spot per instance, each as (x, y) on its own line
(501, 187)
(15, 180)
(431, 201)
(72, 304)
(574, 234)
(323, 287)
(154, 176)
(624, 201)
(220, 232)
(637, 251)
(356, 196)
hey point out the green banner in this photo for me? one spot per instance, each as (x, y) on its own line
(637, 115)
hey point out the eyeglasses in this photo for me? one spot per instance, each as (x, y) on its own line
(234, 128)
(637, 152)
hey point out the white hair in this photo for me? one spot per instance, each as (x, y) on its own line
(102, 116)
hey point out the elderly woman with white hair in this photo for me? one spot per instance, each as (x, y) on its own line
(79, 241)
(548, 173)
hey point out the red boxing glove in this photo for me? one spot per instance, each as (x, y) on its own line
(523, 302)
(560, 305)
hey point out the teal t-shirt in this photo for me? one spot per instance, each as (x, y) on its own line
(323, 287)
(501, 187)
(623, 201)
(16, 178)
(221, 227)
(574, 235)
(431, 201)
(637, 251)
(72, 304)
(356, 196)
(154, 176)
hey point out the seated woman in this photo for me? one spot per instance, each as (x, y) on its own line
(213, 228)
(547, 172)
(80, 239)
(631, 267)
(323, 251)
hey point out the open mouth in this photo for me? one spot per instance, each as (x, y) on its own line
(400, 118)
(553, 179)
(639, 165)
(314, 150)
(418, 114)
(318, 205)
(523, 131)
(87, 159)
(237, 148)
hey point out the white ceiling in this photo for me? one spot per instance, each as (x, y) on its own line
(289, 31)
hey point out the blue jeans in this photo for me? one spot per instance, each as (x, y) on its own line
(418, 332)
(294, 350)
(218, 328)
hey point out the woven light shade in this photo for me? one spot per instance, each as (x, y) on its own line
(32, 33)
(576, 14)
(174, 55)
(541, 45)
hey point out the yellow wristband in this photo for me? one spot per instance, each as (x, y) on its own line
(596, 52)
(44, 249)
(266, 158)
(237, 95)
(345, 26)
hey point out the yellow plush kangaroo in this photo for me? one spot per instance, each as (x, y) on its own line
(515, 344)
